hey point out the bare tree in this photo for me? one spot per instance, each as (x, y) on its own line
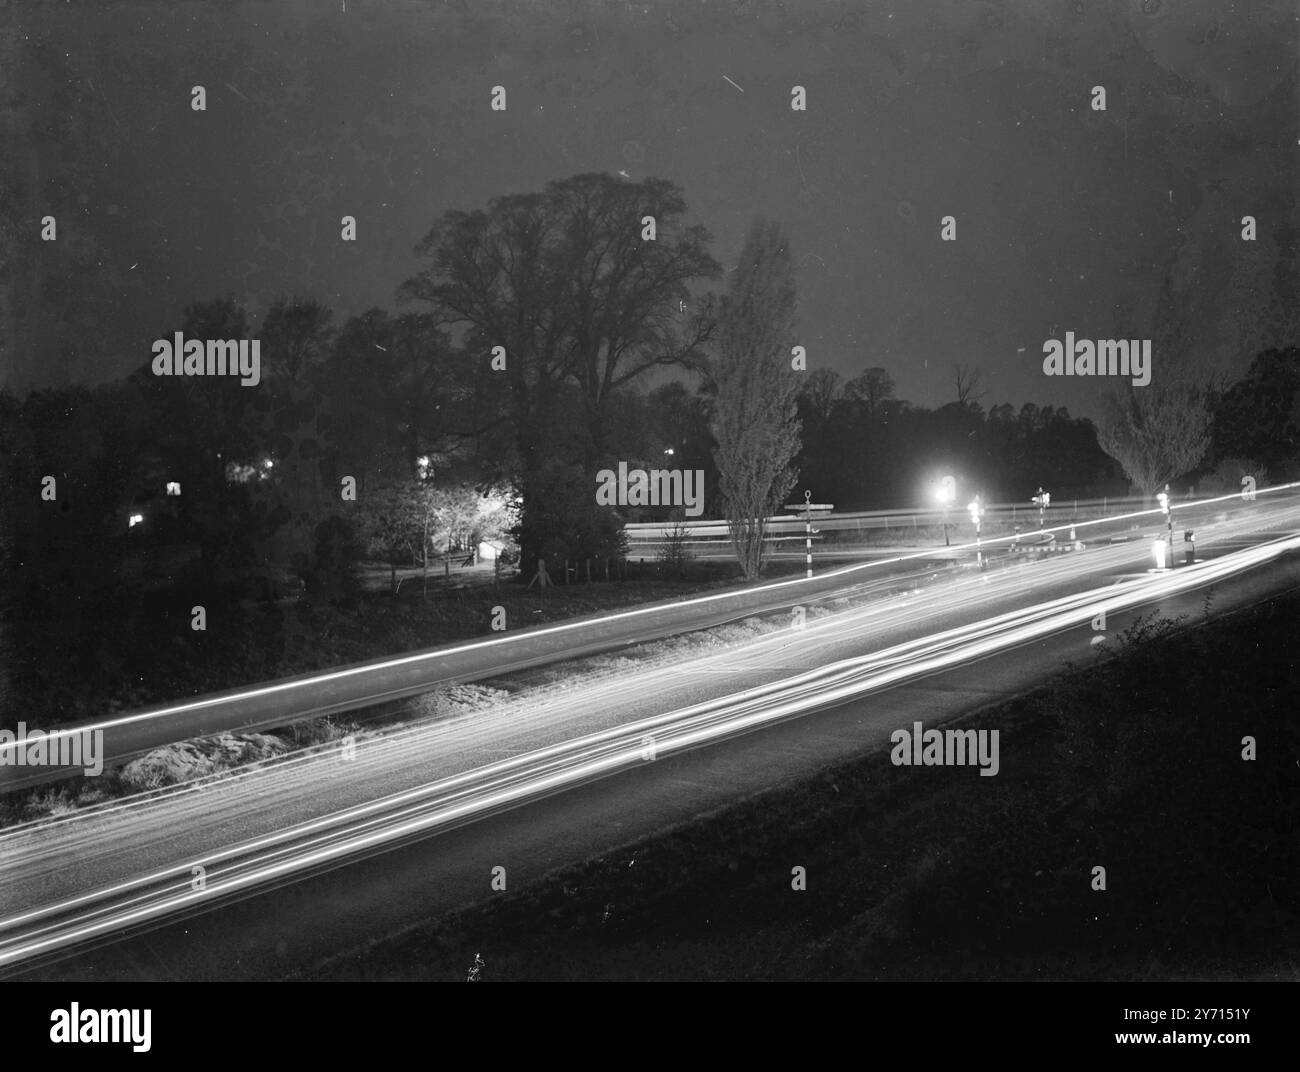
(821, 392)
(627, 296)
(970, 384)
(566, 281)
(1157, 432)
(754, 412)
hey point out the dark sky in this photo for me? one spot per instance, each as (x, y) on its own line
(1117, 224)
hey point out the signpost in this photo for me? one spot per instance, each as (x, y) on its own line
(1044, 500)
(808, 506)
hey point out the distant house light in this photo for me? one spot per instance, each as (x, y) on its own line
(134, 520)
(173, 487)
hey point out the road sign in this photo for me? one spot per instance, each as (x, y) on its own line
(807, 506)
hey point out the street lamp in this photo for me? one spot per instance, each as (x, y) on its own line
(947, 493)
(1163, 498)
(976, 514)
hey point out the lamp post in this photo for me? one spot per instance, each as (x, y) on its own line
(976, 514)
(1164, 500)
(947, 493)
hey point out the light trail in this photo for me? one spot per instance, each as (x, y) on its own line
(349, 833)
(556, 704)
(377, 668)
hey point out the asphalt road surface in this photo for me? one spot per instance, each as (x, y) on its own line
(274, 704)
(279, 867)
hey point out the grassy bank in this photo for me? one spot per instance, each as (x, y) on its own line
(141, 649)
(212, 758)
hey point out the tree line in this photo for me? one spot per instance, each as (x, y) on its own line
(532, 348)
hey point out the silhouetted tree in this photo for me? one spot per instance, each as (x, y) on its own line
(1259, 416)
(969, 383)
(820, 392)
(566, 283)
(395, 393)
(1157, 433)
(871, 388)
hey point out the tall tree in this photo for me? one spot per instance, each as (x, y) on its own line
(1157, 432)
(755, 422)
(570, 285)
(631, 309)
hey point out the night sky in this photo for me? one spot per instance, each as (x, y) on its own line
(1122, 223)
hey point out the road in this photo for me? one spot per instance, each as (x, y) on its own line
(849, 677)
(275, 704)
